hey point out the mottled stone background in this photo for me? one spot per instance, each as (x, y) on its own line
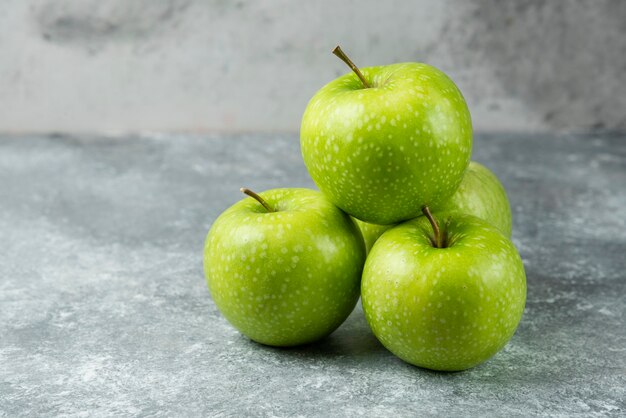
(206, 65)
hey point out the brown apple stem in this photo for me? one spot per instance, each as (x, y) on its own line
(342, 56)
(258, 198)
(433, 223)
(446, 228)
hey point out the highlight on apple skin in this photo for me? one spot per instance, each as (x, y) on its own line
(284, 269)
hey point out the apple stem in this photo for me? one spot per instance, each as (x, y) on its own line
(446, 227)
(342, 56)
(433, 222)
(258, 198)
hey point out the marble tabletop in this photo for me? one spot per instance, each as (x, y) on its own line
(104, 309)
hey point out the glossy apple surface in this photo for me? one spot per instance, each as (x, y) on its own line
(481, 194)
(287, 277)
(444, 308)
(381, 153)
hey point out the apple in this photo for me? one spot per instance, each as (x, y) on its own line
(444, 298)
(370, 232)
(386, 141)
(284, 266)
(481, 194)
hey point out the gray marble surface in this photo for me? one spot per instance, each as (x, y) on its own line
(104, 309)
(231, 65)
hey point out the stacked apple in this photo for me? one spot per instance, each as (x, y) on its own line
(403, 219)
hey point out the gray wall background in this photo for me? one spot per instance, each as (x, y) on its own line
(217, 65)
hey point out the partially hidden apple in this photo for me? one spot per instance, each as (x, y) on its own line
(384, 141)
(444, 291)
(481, 194)
(284, 266)
(371, 232)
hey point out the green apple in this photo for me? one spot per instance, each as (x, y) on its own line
(284, 267)
(382, 152)
(371, 232)
(481, 194)
(445, 300)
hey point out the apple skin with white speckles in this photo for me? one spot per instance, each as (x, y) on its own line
(381, 153)
(444, 308)
(481, 194)
(287, 277)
